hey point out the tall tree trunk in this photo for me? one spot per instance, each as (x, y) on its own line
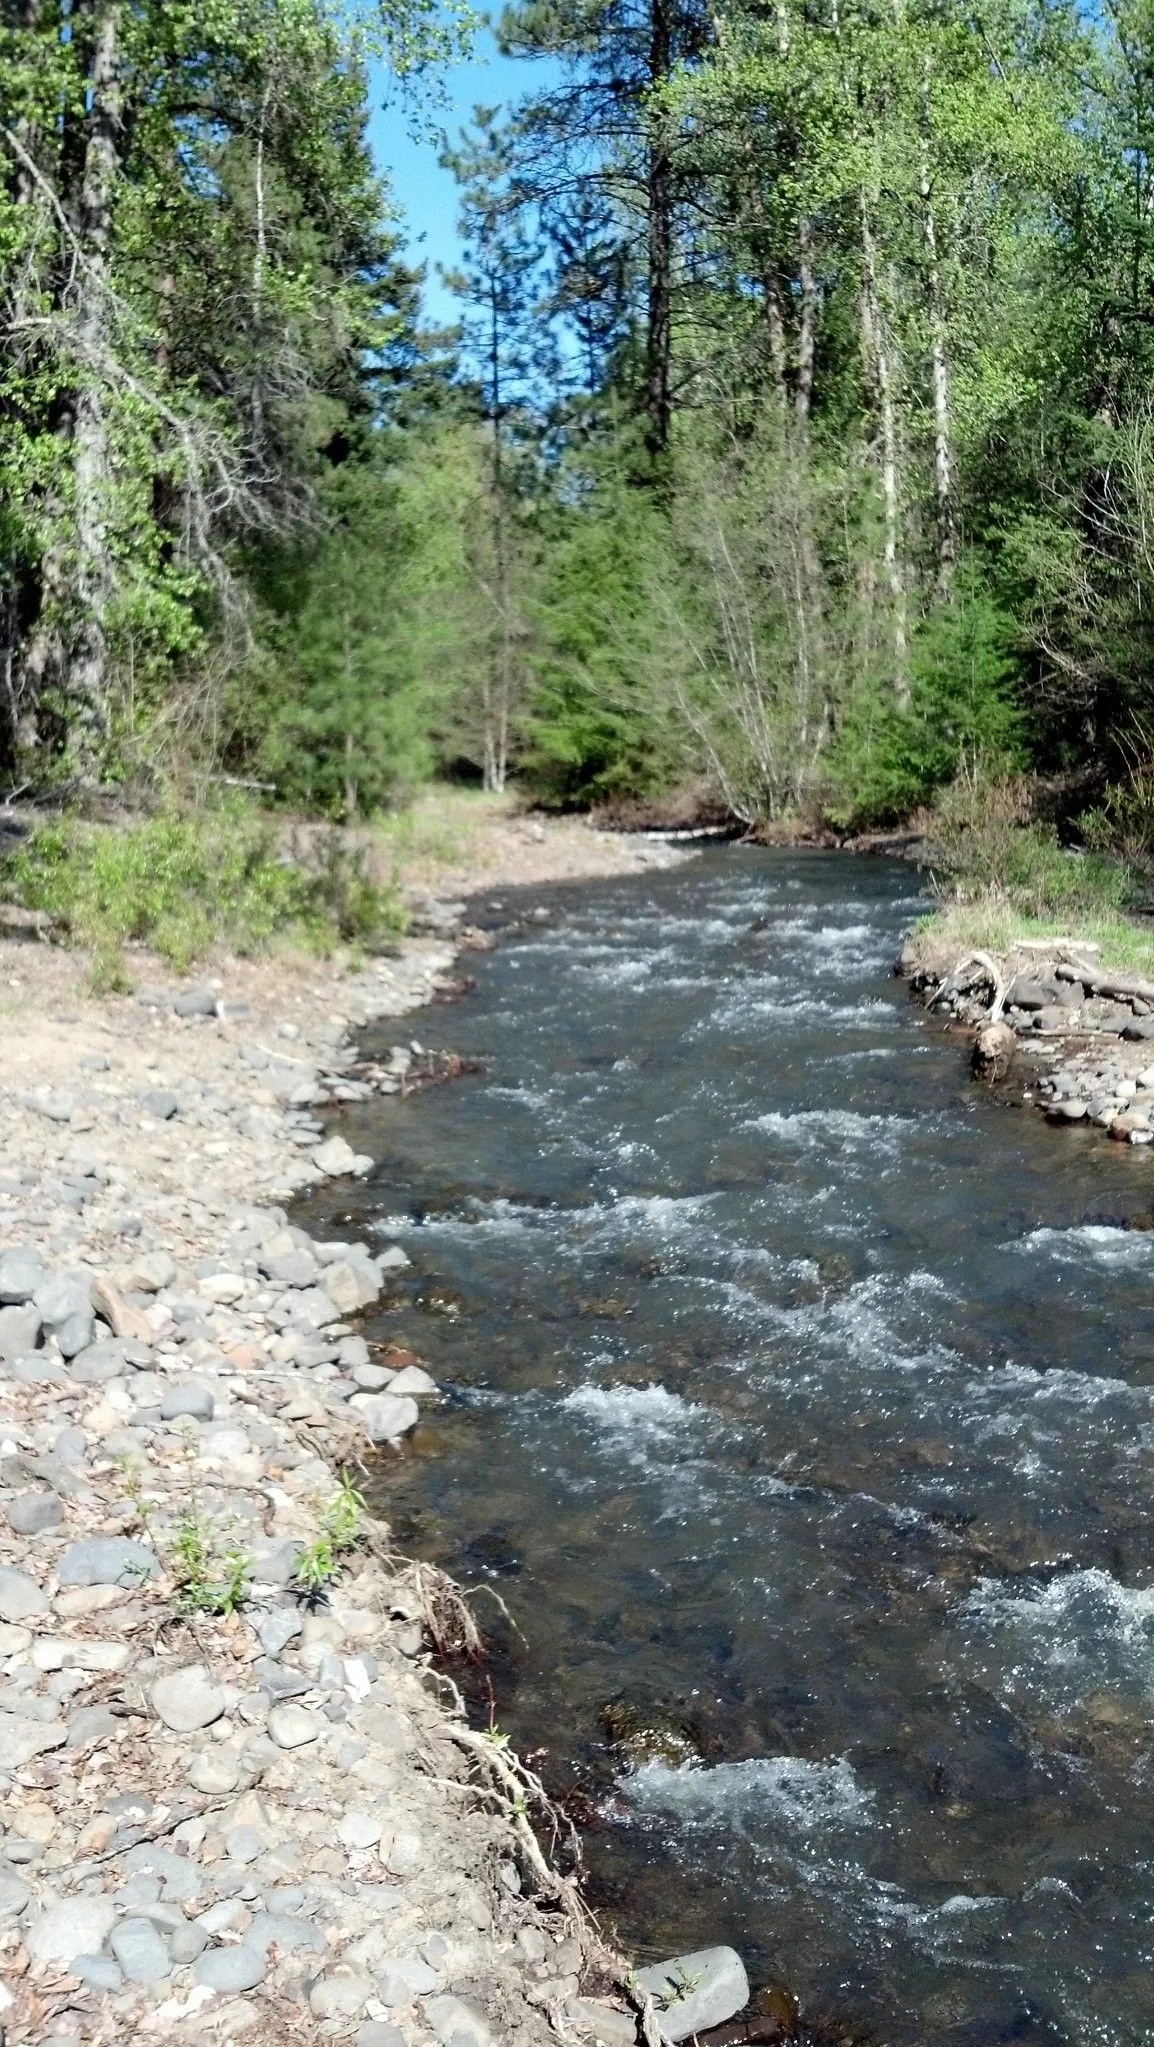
(939, 364)
(659, 328)
(87, 681)
(877, 351)
(807, 320)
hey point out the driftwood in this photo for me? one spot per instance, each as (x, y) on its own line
(987, 969)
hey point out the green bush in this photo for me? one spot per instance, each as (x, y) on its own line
(890, 759)
(983, 841)
(181, 883)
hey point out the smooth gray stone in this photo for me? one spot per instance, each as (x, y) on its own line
(277, 1629)
(275, 1563)
(14, 1893)
(97, 1363)
(160, 1102)
(278, 1682)
(291, 1268)
(76, 1334)
(188, 1398)
(20, 1597)
(288, 1932)
(107, 1560)
(187, 1941)
(91, 1723)
(378, 2033)
(140, 1951)
(21, 1272)
(455, 2022)
(694, 1992)
(230, 1968)
(352, 1351)
(100, 1972)
(245, 1844)
(20, 1330)
(182, 1879)
(32, 1513)
(75, 1926)
(195, 1002)
(62, 1295)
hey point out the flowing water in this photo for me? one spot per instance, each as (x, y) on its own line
(802, 1413)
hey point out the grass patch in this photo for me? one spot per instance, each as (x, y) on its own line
(183, 883)
(1002, 878)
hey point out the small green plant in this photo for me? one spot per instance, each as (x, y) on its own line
(210, 1569)
(343, 1517)
(211, 1576)
(341, 1529)
(316, 1569)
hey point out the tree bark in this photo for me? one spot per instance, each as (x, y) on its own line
(87, 680)
(876, 348)
(939, 366)
(659, 328)
(807, 321)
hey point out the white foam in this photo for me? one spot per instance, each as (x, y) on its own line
(634, 1420)
(1068, 1639)
(811, 1127)
(803, 1797)
(1098, 1243)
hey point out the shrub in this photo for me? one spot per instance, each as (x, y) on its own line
(182, 882)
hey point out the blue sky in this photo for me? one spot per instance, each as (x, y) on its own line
(426, 193)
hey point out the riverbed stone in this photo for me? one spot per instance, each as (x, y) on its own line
(384, 1418)
(340, 1994)
(230, 1968)
(20, 1596)
(140, 1951)
(187, 1398)
(33, 1513)
(201, 1001)
(188, 1699)
(693, 1992)
(456, 2023)
(21, 1272)
(107, 1560)
(20, 1330)
(292, 1726)
(352, 1285)
(74, 1926)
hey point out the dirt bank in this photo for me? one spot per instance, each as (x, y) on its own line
(267, 1819)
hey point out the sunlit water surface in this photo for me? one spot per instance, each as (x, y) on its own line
(802, 1406)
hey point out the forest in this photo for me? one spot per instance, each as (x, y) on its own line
(792, 459)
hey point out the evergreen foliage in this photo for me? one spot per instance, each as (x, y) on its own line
(795, 442)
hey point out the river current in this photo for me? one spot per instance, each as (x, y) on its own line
(801, 1411)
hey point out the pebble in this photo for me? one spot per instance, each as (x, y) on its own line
(291, 1726)
(454, 2021)
(20, 1597)
(359, 1830)
(188, 1398)
(21, 1272)
(378, 2033)
(32, 1513)
(188, 1699)
(100, 1972)
(19, 1332)
(385, 1419)
(340, 1995)
(105, 1560)
(214, 1771)
(140, 1951)
(76, 1926)
(230, 1968)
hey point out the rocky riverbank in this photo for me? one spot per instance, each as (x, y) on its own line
(236, 1799)
(1077, 1036)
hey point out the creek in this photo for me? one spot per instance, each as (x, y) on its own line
(801, 1411)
